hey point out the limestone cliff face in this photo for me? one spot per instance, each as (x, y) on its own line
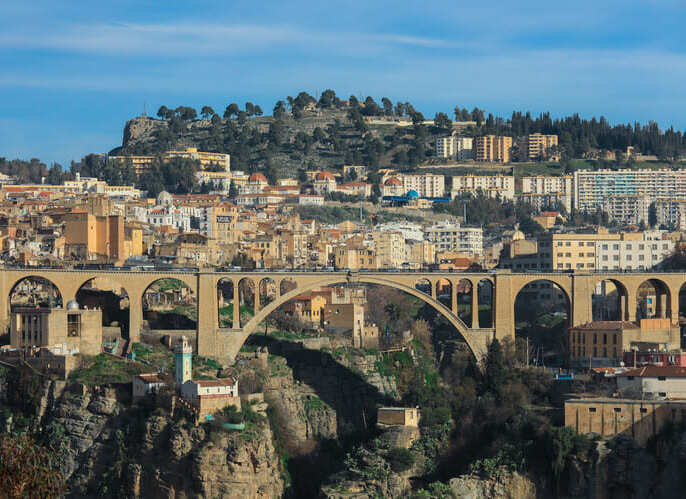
(507, 485)
(109, 448)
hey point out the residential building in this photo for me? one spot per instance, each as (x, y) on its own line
(454, 147)
(653, 382)
(453, 237)
(606, 341)
(652, 357)
(354, 255)
(493, 149)
(547, 192)
(671, 213)
(144, 384)
(500, 186)
(592, 189)
(90, 237)
(635, 251)
(207, 160)
(324, 182)
(427, 185)
(536, 146)
(307, 308)
(208, 396)
(390, 249)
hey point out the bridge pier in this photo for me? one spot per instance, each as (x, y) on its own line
(475, 305)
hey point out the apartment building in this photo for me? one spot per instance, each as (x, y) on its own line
(536, 146)
(493, 149)
(500, 186)
(390, 249)
(428, 185)
(671, 213)
(592, 189)
(91, 237)
(634, 251)
(570, 251)
(453, 237)
(454, 147)
(542, 190)
(627, 209)
(207, 160)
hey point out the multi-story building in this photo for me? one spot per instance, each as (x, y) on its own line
(91, 237)
(501, 186)
(492, 148)
(536, 146)
(390, 249)
(592, 189)
(428, 185)
(324, 182)
(546, 191)
(606, 341)
(570, 251)
(207, 160)
(453, 237)
(455, 147)
(637, 251)
(671, 213)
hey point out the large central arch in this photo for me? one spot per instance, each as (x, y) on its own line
(477, 340)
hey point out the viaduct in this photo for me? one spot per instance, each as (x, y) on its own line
(224, 343)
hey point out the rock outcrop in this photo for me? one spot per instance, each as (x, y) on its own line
(506, 485)
(108, 447)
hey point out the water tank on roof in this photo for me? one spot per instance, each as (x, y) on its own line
(72, 305)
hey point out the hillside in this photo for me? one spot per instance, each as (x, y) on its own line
(318, 139)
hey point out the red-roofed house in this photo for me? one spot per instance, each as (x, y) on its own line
(324, 182)
(653, 382)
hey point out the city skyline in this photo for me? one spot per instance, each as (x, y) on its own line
(72, 78)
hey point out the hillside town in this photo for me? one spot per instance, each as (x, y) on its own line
(477, 210)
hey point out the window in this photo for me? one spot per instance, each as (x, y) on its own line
(591, 409)
(605, 339)
(615, 246)
(605, 259)
(568, 254)
(614, 339)
(661, 378)
(595, 338)
(568, 243)
(641, 246)
(604, 246)
(74, 325)
(618, 409)
(662, 394)
(628, 246)
(643, 410)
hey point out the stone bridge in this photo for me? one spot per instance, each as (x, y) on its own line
(224, 343)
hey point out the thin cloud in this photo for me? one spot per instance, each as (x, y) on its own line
(186, 39)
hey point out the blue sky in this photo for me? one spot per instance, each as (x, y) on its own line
(71, 73)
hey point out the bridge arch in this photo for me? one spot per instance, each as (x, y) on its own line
(653, 299)
(477, 341)
(170, 302)
(540, 318)
(54, 298)
(609, 301)
(109, 295)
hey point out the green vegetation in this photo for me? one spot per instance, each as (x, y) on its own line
(105, 369)
(157, 357)
(400, 459)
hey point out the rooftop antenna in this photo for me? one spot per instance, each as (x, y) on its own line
(143, 115)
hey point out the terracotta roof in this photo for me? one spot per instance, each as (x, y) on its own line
(257, 177)
(393, 181)
(215, 382)
(607, 325)
(324, 176)
(655, 371)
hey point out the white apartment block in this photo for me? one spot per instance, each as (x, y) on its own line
(454, 147)
(593, 189)
(543, 202)
(671, 213)
(501, 186)
(453, 237)
(632, 255)
(427, 185)
(627, 209)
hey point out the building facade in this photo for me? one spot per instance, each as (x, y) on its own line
(453, 237)
(493, 149)
(500, 186)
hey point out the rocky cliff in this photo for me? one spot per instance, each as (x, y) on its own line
(111, 448)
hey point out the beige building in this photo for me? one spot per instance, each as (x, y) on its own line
(398, 416)
(354, 257)
(426, 185)
(390, 249)
(62, 330)
(105, 238)
(608, 417)
(493, 149)
(453, 237)
(208, 396)
(536, 146)
(610, 339)
(207, 160)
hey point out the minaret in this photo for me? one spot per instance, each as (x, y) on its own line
(182, 361)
